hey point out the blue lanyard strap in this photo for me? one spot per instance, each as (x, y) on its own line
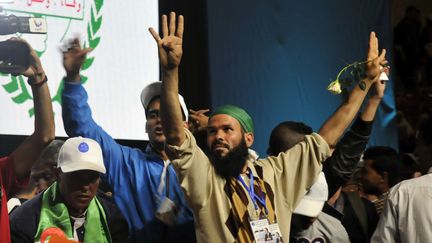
(251, 191)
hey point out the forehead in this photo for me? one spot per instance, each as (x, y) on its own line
(154, 104)
(223, 120)
(368, 163)
(81, 174)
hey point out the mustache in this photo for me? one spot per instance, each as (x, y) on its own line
(219, 143)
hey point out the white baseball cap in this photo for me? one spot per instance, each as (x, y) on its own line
(313, 202)
(154, 89)
(80, 153)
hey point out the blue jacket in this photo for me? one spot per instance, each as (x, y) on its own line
(133, 175)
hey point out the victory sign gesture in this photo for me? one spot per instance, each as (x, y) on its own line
(170, 45)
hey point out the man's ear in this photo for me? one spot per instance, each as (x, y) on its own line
(186, 124)
(249, 138)
(384, 177)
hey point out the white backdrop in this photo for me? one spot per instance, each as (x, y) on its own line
(125, 60)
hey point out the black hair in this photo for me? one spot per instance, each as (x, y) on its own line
(411, 9)
(385, 159)
(393, 168)
(425, 131)
(375, 152)
(279, 143)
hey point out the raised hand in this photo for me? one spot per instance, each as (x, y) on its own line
(198, 120)
(170, 45)
(375, 60)
(379, 87)
(73, 58)
(35, 71)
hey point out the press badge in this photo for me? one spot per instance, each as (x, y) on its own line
(167, 212)
(264, 232)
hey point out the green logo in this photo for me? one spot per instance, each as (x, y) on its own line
(17, 84)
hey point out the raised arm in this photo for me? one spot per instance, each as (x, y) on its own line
(339, 167)
(44, 131)
(374, 101)
(77, 115)
(170, 53)
(334, 127)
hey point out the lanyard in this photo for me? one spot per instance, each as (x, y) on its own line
(164, 180)
(251, 191)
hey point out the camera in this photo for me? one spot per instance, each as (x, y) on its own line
(13, 24)
(14, 55)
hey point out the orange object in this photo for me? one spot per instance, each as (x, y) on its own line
(56, 236)
(59, 239)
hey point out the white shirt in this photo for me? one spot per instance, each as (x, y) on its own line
(407, 215)
(12, 203)
(78, 222)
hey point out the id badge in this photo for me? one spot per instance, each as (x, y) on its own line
(264, 232)
(259, 229)
(167, 212)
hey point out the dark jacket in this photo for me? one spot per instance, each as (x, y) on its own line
(338, 169)
(352, 222)
(24, 220)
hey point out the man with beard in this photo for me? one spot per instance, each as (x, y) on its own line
(406, 216)
(381, 171)
(231, 194)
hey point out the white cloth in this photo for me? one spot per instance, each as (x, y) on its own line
(407, 214)
(78, 222)
(12, 203)
(326, 229)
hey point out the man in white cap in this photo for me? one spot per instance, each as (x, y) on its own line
(144, 184)
(310, 224)
(69, 207)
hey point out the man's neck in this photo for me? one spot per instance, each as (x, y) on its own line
(159, 151)
(245, 169)
(383, 190)
(75, 212)
(26, 196)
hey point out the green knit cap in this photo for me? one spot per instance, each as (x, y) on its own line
(238, 113)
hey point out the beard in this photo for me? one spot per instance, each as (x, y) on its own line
(230, 165)
(370, 189)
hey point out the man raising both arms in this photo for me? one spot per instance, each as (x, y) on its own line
(230, 195)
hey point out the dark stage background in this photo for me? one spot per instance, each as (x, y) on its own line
(275, 58)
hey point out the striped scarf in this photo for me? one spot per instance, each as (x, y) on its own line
(379, 202)
(238, 220)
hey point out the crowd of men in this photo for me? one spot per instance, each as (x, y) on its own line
(322, 186)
